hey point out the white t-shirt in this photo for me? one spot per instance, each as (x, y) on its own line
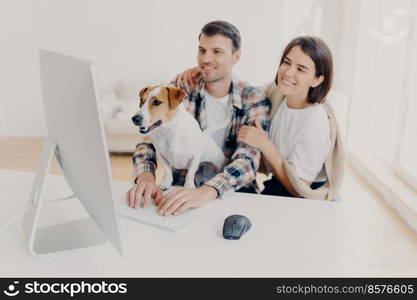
(217, 110)
(302, 136)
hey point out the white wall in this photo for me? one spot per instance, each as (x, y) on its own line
(145, 40)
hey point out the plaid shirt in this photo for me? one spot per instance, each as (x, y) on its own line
(249, 104)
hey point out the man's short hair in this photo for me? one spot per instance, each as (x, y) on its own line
(224, 28)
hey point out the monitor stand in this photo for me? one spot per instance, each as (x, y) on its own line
(59, 238)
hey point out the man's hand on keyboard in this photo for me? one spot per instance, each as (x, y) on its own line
(181, 199)
(145, 187)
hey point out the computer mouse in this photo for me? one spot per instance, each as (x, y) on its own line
(235, 226)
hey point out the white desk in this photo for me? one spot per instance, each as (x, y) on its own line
(289, 238)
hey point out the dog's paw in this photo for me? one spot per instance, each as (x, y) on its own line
(166, 184)
(189, 185)
(163, 188)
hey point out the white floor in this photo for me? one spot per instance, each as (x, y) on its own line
(381, 243)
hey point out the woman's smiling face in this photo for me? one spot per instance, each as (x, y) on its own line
(296, 74)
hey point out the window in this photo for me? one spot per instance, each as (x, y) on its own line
(407, 150)
(384, 107)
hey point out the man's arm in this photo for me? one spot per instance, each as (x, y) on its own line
(239, 172)
(144, 166)
(144, 159)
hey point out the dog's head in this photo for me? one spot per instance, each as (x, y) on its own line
(158, 104)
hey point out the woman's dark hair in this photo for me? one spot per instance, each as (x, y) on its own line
(224, 28)
(318, 51)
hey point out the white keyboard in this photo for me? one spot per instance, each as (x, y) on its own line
(151, 217)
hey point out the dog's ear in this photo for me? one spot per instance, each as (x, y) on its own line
(143, 91)
(175, 96)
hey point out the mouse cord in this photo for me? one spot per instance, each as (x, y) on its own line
(12, 219)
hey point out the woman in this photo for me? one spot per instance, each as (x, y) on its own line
(303, 148)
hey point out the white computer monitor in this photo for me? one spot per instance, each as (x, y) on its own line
(76, 137)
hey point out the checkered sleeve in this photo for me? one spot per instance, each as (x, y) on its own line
(245, 160)
(144, 159)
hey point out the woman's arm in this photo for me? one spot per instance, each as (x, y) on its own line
(257, 137)
(188, 79)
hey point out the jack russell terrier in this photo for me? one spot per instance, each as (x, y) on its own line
(176, 135)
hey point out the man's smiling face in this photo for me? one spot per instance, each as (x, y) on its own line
(216, 57)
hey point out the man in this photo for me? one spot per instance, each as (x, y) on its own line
(218, 94)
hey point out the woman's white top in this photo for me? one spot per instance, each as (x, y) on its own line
(302, 137)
